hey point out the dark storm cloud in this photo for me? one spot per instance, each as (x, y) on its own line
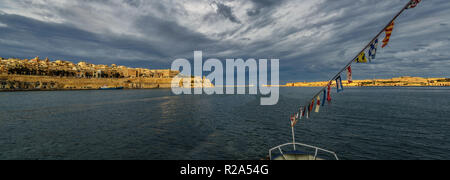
(25, 37)
(226, 12)
(261, 5)
(313, 39)
(176, 39)
(356, 27)
(134, 3)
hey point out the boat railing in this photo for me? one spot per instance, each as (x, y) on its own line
(317, 150)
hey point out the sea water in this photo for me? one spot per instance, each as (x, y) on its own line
(360, 123)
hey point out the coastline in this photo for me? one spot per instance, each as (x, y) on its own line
(405, 81)
(46, 75)
(11, 83)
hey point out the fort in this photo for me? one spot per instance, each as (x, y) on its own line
(37, 74)
(399, 81)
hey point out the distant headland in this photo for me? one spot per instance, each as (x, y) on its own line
(43, 74)
(394, 82)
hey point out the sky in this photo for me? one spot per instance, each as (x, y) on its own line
(313, 39)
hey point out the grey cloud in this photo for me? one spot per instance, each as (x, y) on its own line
(253, 12)
(27, 37)
(134, 3)
(262, 5)
(174, 37)
(161, 37)
(227, 12)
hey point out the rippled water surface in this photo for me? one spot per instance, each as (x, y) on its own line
(361, 123)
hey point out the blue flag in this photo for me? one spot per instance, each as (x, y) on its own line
(373, 50)
(339, 85)
(324, 97)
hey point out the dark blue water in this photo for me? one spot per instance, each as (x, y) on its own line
(362, 123)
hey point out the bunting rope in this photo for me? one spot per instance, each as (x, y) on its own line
(359, 58)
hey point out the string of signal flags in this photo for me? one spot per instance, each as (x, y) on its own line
(371, 48)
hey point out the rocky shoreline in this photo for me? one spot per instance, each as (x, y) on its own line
(39, 83)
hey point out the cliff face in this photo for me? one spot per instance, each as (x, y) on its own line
(400, 81)
(24, 82)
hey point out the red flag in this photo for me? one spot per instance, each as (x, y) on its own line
(349, 74)
(328, 93)
(311, 106)
(293, 120)
(413, 4)
(388, 32)
(304, 111)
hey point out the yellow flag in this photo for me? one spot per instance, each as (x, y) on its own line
(361, 58)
